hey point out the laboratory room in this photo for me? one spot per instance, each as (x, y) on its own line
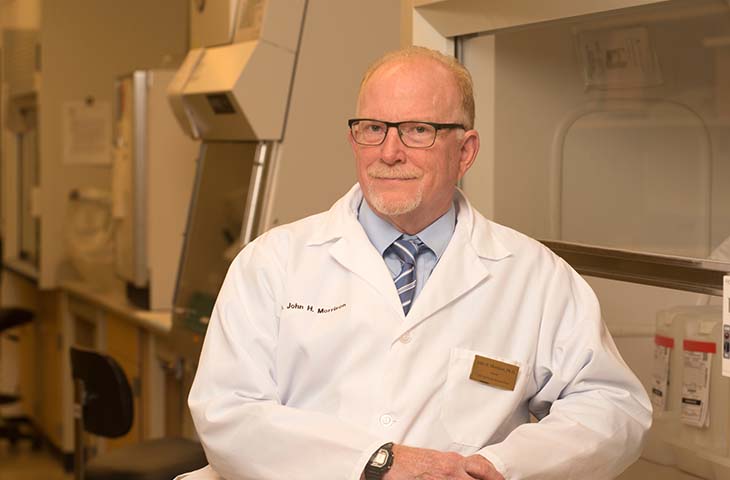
(364, 240)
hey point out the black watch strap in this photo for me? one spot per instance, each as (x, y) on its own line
(380, 462)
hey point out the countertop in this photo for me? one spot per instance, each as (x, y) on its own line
(158, 321)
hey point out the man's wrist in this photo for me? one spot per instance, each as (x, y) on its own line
(379, 463)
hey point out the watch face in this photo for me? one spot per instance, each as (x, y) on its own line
(380, 458)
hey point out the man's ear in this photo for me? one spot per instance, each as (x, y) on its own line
(468, 152)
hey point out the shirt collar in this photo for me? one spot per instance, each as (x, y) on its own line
(381, 233)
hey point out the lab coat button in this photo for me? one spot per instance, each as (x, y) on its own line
(405, 338)
(386, 420)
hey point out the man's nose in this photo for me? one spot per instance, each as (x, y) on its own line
(392, 146)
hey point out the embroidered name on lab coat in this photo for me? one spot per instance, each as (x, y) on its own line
(493, 372)
(313, 309)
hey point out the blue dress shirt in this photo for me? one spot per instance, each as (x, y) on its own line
(436, 237)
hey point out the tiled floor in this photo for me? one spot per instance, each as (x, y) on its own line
(23, 463)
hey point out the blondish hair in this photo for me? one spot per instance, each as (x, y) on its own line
(459, 72)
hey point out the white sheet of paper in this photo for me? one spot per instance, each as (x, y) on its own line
(87, 133)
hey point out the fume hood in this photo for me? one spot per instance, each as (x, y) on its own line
(267, 86)
(152, 180)
(605, 132)
(20, 143)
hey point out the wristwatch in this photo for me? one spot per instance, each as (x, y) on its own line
(380, 463)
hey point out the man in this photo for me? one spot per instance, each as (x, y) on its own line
(401, 335)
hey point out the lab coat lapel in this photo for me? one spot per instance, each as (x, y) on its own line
(459, 270)
(462, 267)
(357, 254)
(352, 249)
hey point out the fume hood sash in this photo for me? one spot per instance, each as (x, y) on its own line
(679, 273)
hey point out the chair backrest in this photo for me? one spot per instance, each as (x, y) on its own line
(107, 406)
(11, 317)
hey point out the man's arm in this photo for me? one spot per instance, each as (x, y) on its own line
(420, 463)
(594, 412)
(234, 400)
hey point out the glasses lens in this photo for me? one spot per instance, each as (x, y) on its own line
(417, 135)
(369, 132)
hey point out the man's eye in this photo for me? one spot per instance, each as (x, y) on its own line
(374, 128)
(416, 130)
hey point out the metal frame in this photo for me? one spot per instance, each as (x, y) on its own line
(679, 273)
(250, 226)
(139, 119)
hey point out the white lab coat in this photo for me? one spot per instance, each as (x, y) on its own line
(309, 364)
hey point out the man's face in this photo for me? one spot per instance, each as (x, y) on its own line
(407, 186)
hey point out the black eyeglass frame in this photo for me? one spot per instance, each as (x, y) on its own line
(396, 125)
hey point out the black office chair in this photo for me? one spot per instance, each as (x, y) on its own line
(104, 407)
(15, 428)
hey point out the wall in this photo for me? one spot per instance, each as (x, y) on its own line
(19, 13)
(339, 41)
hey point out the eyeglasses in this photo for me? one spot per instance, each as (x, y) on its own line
(366, 131)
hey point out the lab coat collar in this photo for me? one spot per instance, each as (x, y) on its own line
(351, 247)
(459, 270)
(485, 243)
(342, 218)
(462, 266)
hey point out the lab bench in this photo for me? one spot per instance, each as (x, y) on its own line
(77, 315)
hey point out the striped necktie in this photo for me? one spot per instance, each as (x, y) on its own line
(407, 250)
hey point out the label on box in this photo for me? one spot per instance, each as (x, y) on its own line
(696, 382)
(660, 376)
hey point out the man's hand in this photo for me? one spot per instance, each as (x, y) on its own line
(412, 463)
(481, 468)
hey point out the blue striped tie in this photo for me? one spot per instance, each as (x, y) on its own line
(407, 250)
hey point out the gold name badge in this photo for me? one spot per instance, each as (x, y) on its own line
(493, 372)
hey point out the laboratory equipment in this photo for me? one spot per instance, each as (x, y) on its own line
(627, 153)
(234, 97)
(605, 130)
(690, 423)
(152, 180)
(267, 87)
(21, 165)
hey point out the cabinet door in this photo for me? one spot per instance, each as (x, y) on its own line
(123, 344)
(50, 360)
(28, 381)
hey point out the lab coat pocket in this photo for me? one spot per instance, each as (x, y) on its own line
(474, 412)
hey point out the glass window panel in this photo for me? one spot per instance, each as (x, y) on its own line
(212, 237)
(609, 130)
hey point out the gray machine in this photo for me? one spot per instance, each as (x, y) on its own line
(267, 88)
(234, 97)
(153, 169)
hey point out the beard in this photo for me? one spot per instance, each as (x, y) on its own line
(382, 201)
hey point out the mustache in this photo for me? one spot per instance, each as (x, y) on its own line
(383, 171)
